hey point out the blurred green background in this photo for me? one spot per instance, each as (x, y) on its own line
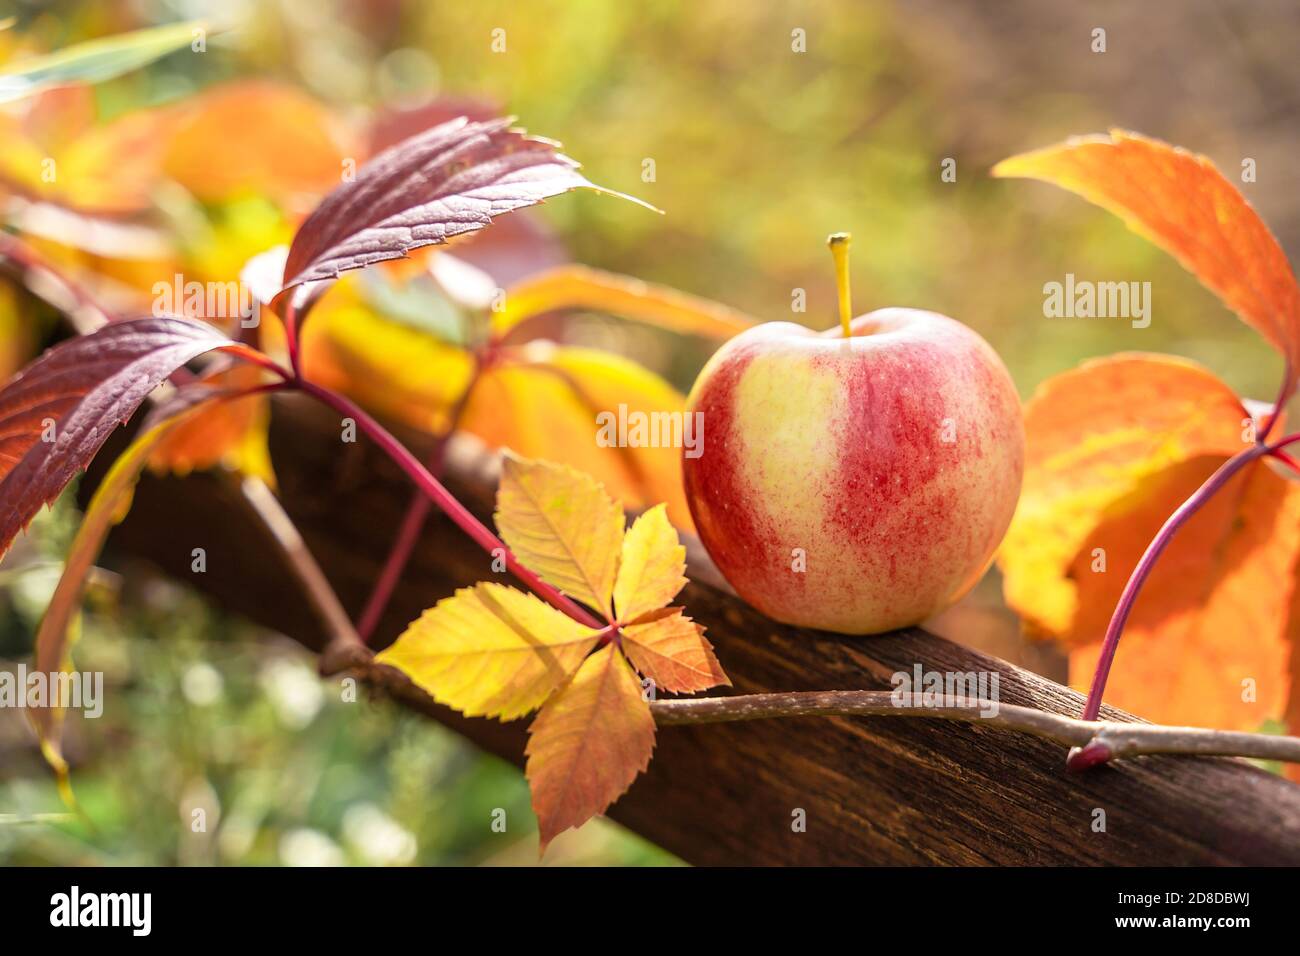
(758, 153)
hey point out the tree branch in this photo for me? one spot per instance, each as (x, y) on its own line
(344, 642)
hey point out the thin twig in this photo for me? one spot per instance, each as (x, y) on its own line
(343, 639)
(1093, 742)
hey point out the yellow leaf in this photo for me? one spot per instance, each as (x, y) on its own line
(109, 169)
(114, 168)
(17, 344)
(653, 566)
(539, 399)
(561, 524)
(588, 744)
(397, 371)
(578, 287)
(671, 649)
(491, 651)
(1093, 435)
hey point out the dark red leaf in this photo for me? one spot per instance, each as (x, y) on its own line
(77, 393)
(444, 182)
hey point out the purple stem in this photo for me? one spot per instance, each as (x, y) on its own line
(412, 523)
(446, 501)
(1140, 573)
(1284, 393)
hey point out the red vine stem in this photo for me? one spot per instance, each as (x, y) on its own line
(1140, 573)
(291, 332)
(1283, 442)
(412, 523)
(1283, 394)
(445, 500)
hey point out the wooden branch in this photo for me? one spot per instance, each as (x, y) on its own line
(1099, 740)
(871, 789)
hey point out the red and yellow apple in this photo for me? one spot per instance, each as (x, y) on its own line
(855, 483)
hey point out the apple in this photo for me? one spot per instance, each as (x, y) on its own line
(860, 479)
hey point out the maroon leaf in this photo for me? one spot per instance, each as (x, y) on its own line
(56, 413)
(444, 182)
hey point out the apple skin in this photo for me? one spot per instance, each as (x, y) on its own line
(893, 458)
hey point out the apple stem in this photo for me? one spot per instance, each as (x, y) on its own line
(839, 246)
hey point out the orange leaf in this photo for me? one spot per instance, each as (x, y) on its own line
(257, 138)
(545, 404)
(580, 287)
(109, 169)
(671, 649)
(1094, 435)
(1206, 642)
(1184, 205)
(231, 432)
(588, 744)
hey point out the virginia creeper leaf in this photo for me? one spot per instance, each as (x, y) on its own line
(1112, 449)
(588, 744)
(671, 649)
(1206, 642)
(491, 651)
(1184, 205)
(449, 180)
(55, 415)
(652, 568)
(561, 524)
(1092, 436)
